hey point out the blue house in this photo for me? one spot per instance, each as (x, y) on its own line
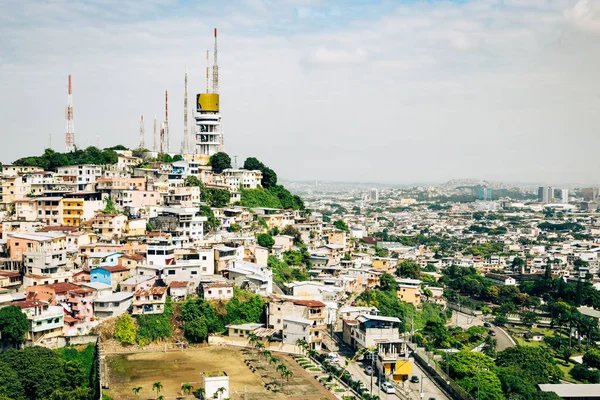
(103, 259)
(109, 275)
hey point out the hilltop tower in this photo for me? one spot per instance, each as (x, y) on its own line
(70, 135)
(208, 132)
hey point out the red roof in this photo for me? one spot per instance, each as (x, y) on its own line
(309, 303)
(9, 274)
(136, 257)
(61, 287)
(29, 303)
(59, 229)
(176, 284)
(151, 291)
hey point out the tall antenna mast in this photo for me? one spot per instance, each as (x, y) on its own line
(142, 144)
(184, 147)
(70, 135)
(168, 141)
(215, 67)
(207, 68)
(162, 137)
(154, 148)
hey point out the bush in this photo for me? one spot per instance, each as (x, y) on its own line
(584, 374)
(125, 329)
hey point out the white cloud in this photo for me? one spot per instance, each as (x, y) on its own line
(585, 15)
(426, 91)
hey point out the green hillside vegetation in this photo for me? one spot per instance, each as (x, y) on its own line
(51, 159)
(37, 373)
(200, 318)
(270, 195)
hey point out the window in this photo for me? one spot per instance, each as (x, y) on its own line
(171, 272)
(203, 258)
(194, 272)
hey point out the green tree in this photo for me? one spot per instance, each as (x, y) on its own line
(265, 240)
(157, 386)
(218, 198)
(408, 269)
(200, 392)
(387, 282)
(591, 358)
(465, 363)
(136, 390)
(13, 324)
(192, 180)
(484, 385)
(40, 370)
(341, 225)
(219, 162)
(10, 383)
(187, 388)
(212, 222)
(125, 329)
(290, 230)
(529, 318)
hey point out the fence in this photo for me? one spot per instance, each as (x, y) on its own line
(428, 364)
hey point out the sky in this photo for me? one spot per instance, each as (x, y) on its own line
(355, 90)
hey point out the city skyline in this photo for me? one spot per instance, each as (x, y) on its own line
(400, 91)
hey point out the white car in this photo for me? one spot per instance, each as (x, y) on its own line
(388, 388)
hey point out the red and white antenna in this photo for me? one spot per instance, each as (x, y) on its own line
(70, 135)
(215, 67)
(184, 148)
(168, 141)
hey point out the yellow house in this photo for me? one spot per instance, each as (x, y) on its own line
(384, 263)
(409, 290)
(72, 211)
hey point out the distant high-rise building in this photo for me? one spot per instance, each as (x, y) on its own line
(546, 194)
(485, 193)
(373, 194)
(564, 196)
(590, 194)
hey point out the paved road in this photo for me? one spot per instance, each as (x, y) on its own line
(430, 390)
(466, 321)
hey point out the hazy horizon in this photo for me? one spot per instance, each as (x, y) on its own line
(386, 91)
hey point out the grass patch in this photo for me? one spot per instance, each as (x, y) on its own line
(314, 369)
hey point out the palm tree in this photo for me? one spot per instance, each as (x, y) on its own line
(301, 343)
(286, 374)
(136, 391)
(157, 386)
(187, 388)
(200, 392)
(281, 368)
(273, 360)
(220, 391)
(266, 354)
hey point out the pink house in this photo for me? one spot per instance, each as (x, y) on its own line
(79, 307)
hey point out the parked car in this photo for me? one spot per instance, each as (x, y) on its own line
(492, 333)
(388, 388)
(369, 370)
(414, 379)
(487, 324)
(332, 357)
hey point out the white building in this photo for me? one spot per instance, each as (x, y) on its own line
(213, 382)
(253, 277)
(113, 305)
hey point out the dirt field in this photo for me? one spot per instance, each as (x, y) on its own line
(174, 368)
